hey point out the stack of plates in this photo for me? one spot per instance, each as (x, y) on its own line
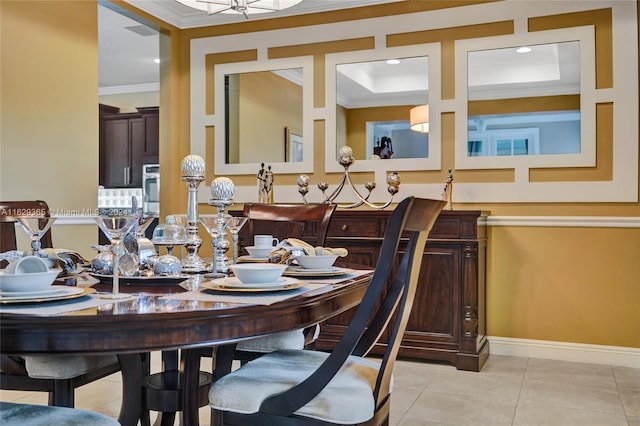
(299, 271)
(55, 292)
(234, 284)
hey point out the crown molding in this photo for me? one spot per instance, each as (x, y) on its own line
(131, 88)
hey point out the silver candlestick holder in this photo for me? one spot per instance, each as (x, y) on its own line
(222, 191)
(193, 175)
(345, 159)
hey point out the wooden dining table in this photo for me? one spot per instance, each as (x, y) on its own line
(164, 317)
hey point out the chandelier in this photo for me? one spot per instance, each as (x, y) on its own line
(245, 7)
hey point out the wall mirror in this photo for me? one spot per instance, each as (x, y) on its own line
(373, 94)
(529, 98)
(263, 112)
(524, 100)
(257, 129)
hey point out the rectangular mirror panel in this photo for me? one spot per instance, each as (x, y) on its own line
(263, 112)
(373, 103)
(524, 100)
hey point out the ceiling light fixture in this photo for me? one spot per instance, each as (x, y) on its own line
(419, 118)
(393, 61)
(523, 49)
(244, 7)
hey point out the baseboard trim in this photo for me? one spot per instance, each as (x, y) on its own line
(566, 351)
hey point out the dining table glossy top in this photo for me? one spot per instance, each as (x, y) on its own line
(157, 317)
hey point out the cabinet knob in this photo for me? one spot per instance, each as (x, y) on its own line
(345, 227)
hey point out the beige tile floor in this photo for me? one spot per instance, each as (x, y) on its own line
(508, 391)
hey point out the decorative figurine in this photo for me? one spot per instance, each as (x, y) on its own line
(447, 193)
(265, 185)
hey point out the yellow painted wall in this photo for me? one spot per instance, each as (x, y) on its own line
(49, 109)
(576, 285)
(551, 283)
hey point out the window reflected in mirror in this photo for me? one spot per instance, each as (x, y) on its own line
(524, 100)
(373, 103)
(263, 115)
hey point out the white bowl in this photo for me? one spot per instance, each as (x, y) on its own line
(36, 281)
(259, 252)
(27, 265)
(258, 272)
(316, 262)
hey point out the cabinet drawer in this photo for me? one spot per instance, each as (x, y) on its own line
(355, 227)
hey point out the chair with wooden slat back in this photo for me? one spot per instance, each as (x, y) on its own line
(57, 375)
(302, 387)
(309, 222)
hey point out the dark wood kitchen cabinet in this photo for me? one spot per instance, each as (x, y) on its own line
(447, 322)
(127, 141)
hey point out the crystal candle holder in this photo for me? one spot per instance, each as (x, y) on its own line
(193, 175)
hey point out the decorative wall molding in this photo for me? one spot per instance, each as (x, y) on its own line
(75, 220)
(622, 186)
(529, 221)
(565, 221)
(565, 351)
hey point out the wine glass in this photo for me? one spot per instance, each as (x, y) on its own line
(114, 228)
(216, 226)
(234, 225)
(143, 224)
(35, 227)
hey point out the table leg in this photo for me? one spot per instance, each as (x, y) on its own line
(190, 366)
(169, 362)
(223, 359)
(131, 409)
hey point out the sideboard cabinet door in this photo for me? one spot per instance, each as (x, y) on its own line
(447, 322)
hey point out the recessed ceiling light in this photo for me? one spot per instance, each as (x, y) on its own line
(156, 60)
(523, 49)
(393, 61)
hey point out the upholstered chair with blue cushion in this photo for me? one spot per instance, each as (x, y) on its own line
(291, 387)
(12, 414)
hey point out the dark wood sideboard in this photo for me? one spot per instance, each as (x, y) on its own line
(447, 322)
(448, 319)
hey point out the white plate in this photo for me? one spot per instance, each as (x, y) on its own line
(54, 289)
(299, 271)
(234, 284)
(249, 259)
(64, 293)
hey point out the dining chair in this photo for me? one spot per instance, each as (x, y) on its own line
(58, 375)
(291, 387)
(284, 221)
(8, 212)
(287, 220)
(14, 414)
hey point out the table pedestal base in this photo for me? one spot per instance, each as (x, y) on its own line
(164, 392)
